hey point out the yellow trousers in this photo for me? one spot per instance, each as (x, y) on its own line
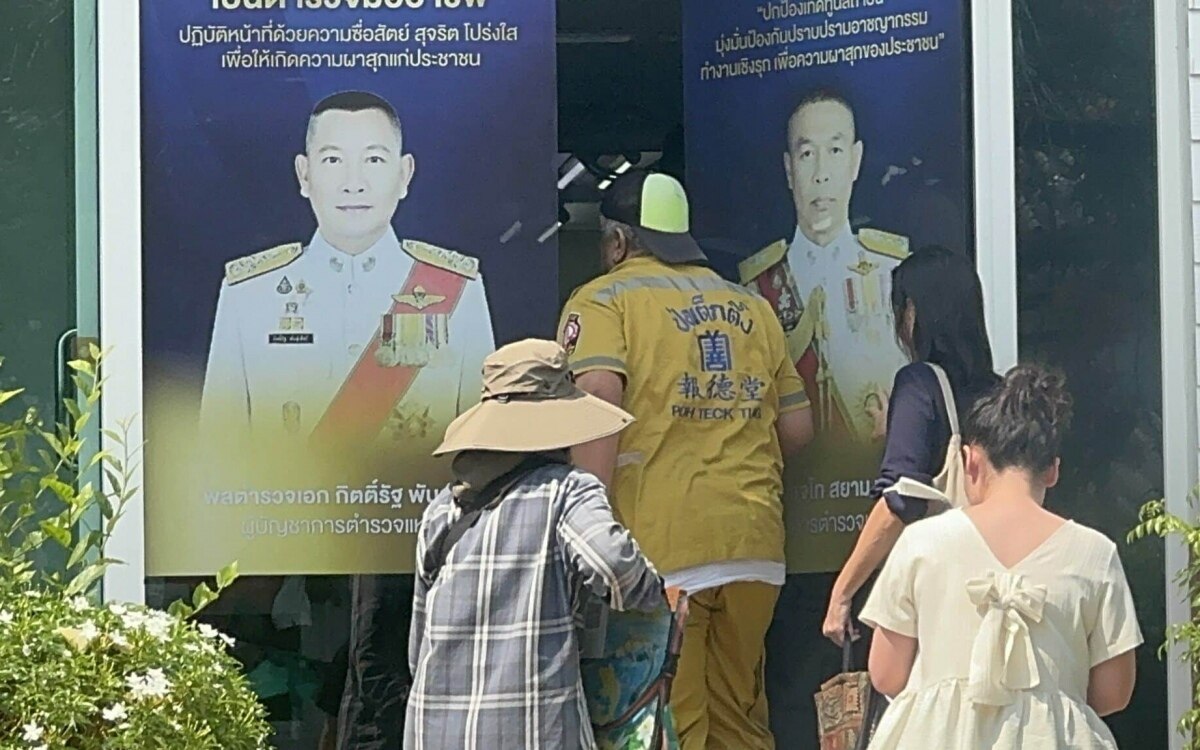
(718, 699)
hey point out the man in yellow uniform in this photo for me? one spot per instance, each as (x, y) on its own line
(831, 287)
(703, 366)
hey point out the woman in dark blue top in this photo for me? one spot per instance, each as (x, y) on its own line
(938, 304)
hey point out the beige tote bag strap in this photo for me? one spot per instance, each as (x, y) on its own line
(948, 397)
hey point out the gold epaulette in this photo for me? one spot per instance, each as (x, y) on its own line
(758, 264)
(241, 269)
(440, 257)
(884, 243)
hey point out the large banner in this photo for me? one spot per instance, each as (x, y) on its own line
(825, 140)
(342, 201)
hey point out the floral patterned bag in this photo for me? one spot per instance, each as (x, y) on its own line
(848, 707)
(628, 688)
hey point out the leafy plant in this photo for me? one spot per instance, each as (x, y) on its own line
(1155, 520)
(76, 674)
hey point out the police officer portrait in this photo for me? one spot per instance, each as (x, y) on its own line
(829, 284)
(353, 335)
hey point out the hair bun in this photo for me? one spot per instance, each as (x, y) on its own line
(1039, 393)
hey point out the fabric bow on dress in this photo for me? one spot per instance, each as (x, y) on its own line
(1002, 658)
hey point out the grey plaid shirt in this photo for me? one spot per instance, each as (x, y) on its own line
(493, 647)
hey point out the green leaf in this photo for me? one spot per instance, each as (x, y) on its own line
(87, 542)
(82, 365)
(227, 575)
(180, 609)
(47, 459)
(65, 492)
(54, 443)
(106, 507)
(72, 407)
(9, 395)
(115, 480)
(84, 582)
(97, 457)
(54, 529)
(203, 596)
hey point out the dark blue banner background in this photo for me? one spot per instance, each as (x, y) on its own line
(912, 113)
(218, 148)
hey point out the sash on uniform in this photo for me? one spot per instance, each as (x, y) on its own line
(361, 408)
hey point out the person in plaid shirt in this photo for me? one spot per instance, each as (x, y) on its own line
(505, 557)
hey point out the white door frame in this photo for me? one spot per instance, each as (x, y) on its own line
(1177, 269)
(995, 172)
(119, 92)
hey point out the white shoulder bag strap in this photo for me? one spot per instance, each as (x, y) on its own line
(948, 397)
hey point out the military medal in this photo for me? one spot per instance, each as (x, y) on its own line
(419, 299)
(407, 422)
(412, 338)
(870, 281)
(369, 264)
(852, 302)
(285, 286)
(291, 417)
(788, 307)
(291, 320)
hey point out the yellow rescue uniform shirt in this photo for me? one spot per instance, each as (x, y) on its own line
(707, 372)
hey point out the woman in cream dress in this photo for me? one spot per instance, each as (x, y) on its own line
(1003, 625)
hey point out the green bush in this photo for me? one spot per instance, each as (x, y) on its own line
(78, 674)
(1156, 521)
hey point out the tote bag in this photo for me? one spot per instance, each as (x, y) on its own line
(949, 488)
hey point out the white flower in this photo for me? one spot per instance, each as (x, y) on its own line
(115, 714)
(80, 604)
(88, 631)
(208, 631)
(117, 609)
(33, 732)
(156, 624)
(33, 594)
(6, 617)
(118, 640)
(153, 684)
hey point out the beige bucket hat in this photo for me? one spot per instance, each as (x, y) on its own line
(530, 404)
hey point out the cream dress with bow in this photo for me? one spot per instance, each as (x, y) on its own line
(1003, 653)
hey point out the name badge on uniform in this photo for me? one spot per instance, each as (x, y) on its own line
(291, 327)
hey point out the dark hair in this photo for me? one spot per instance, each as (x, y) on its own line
(819, 96)
(950, 330)
(1021, 422)
(355, 101)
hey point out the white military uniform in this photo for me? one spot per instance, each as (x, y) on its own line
(858, 343)
(286, 339)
